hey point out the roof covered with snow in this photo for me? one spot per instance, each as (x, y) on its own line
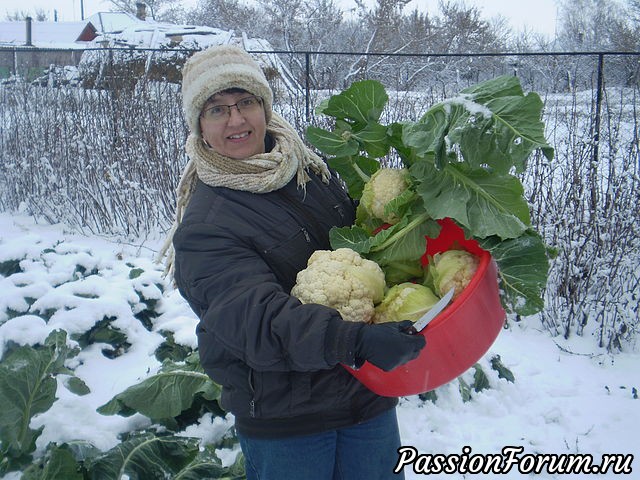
(113, 29)
(112, 22)
(43, 34)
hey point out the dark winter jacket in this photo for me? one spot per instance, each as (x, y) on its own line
(237, 256)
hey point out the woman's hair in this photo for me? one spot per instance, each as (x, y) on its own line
(226, 90)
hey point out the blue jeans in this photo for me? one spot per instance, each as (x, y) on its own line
(368, 451)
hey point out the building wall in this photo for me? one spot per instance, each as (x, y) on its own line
(31, 64)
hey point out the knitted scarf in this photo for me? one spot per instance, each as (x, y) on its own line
(260, 173)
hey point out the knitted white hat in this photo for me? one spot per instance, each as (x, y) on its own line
(216, 69)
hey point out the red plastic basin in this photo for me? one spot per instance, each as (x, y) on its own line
(457, 338)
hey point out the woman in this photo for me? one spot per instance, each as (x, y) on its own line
(253, 204)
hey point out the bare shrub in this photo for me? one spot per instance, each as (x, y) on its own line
(588, 208)
(115, 69)
(100, 161)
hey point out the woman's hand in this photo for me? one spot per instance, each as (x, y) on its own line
(387, 345)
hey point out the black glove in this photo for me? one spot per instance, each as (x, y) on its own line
(386, 346)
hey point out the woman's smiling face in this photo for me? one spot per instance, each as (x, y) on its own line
(238, 134)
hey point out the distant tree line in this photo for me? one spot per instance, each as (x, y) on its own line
(388, 26)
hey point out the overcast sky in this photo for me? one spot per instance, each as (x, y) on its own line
(538, 16)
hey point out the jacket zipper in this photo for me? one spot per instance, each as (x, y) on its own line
(252, 402)
(313, 223)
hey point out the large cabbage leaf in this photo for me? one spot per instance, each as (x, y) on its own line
(523, 274)
(208, 466)
(485, 203)
(167, 394)
(464, 150)
(360, 104)
(492, 124)
(140, 456)
(59, 464)
(357, 129)
(145, 456)
(28, 387)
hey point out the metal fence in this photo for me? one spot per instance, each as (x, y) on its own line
(313, 70)
(547, 72)
(309, 75)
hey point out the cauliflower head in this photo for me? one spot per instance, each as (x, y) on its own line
(343, 280)
(453, 268)
(384, 185)
(405, 301)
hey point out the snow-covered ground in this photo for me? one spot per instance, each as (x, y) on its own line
(568, 397)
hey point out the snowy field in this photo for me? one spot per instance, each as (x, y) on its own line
(567, 398)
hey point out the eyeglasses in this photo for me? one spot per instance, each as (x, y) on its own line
(220, 113)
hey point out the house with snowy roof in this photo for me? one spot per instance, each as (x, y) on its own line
(64, 35)
(122, 47)
(28, 46)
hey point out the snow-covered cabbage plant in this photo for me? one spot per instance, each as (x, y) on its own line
(61, 308)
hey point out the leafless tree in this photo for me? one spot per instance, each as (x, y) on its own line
(464, 29)
(39, 15)
(385, 19)
(156, 9)
(224, 14)
(589, 24)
